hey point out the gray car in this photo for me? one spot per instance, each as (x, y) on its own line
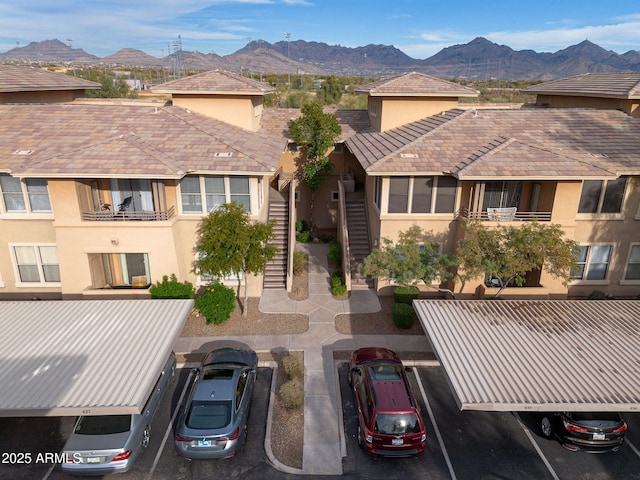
(213, 419)
(105, 444)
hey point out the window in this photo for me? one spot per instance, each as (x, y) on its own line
(213, 191)
(131, 195)
(633, 264)
(499, 194)
(337, 148)
(593, 262)
(422, 194)
(120, 268)
(209, 279)
(377, 191)
(29, 195)
(600, 196)
(36, 263)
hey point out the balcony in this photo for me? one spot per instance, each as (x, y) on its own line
(123, 216)
(503, 215)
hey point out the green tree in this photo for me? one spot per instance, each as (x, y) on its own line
(413, 258)
(507, 253)
(330, 91)
(230, 243)
(112, 85)
(315, 132)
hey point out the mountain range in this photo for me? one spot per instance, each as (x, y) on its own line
(479, 59)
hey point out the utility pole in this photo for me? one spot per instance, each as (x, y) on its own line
(287, 35)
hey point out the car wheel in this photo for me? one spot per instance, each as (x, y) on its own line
(545, 427)
(146, 437)
(360, 437)
(173, 374)
(244, 436)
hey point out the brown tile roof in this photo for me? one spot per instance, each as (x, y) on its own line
(85, 140)
(608, 85)
(215, 82)
(550, 143)
(416, 85)
(14, 78)
(276, 120)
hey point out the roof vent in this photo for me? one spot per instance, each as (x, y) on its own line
(23, 152)
(223, 154)
(408, 155)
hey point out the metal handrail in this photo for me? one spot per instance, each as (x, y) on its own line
(517, 217)
(109, 216)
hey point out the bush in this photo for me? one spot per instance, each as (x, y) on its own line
(292, 367)
(403, 315)
(172, 288)
(325, 237)
(597, 295)
(335, 251)
(304, 237)
(405, 294)
(339, 290)
(302, 226)
(292, 394)
(216, 303)
(299, 262)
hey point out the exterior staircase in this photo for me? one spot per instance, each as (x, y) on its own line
(359, 246)
(275, 273)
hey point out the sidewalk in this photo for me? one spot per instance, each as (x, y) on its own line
(323, 439)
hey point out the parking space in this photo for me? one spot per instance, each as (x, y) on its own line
(29, 444)
(470, 445)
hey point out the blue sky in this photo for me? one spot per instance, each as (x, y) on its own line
(420, 28)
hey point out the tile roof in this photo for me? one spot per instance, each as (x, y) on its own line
(276, 120)
(549, 143)
(215, 82)
(15, 78)
(417, 85)
(609, 85)
(85, 140)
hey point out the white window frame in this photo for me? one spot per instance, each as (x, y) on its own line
(202, 281)
(588, 262)
(227, 192)
(14, 262)
(26, 200)
(633, 281)
(434, 196)
(598, 214)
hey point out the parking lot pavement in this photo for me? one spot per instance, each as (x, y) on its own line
(483, 445)
(42, 437)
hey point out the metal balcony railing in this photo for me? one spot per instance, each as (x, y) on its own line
(503, 215)
(147, 216)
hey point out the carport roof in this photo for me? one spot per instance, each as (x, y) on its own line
(67, 358)
(537, 355)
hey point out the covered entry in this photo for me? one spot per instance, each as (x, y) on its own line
(537, 355)
(68, 358)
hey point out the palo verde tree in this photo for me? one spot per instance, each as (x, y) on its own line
(230, 243)
(507, 253)
(315, 132)
(413, 258)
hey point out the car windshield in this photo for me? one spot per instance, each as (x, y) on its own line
(103, 425)
(205, 415)
(396, 424)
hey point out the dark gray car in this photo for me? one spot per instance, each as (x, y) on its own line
(213, 420)
(105, 444)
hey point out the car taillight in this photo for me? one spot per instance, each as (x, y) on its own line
(574, 428)
(178, 438)
(122, 456)
(232, 437)
(621, 429)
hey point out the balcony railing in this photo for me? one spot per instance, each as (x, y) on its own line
(147, 216)
(503, 215)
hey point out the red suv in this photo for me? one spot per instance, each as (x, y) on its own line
(389, 421)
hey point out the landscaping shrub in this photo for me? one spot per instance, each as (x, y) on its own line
(339, 290)
(405, 294)
(403, 315)
(299, 262)
(335, 251)
(597, 295)
(172, 288)
(302, 226)
(335, 281)
(325, 237)
(292, 394)
(292, 367)
(216, 303)
(304, 237)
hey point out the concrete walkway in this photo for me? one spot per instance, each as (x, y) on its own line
(323, 439)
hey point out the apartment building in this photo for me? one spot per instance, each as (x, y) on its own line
(102, 198)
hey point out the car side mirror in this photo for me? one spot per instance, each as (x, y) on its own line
(356, 370)
(408, 369)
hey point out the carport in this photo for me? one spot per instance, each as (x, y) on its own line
(68, 358)
(537, 355)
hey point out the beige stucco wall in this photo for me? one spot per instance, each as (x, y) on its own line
(238, 110)
(56, 96)
(392, 112)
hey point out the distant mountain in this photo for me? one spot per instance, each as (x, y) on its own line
(479, 59)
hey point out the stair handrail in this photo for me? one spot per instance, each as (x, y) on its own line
(292, 232)
(343, 234)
